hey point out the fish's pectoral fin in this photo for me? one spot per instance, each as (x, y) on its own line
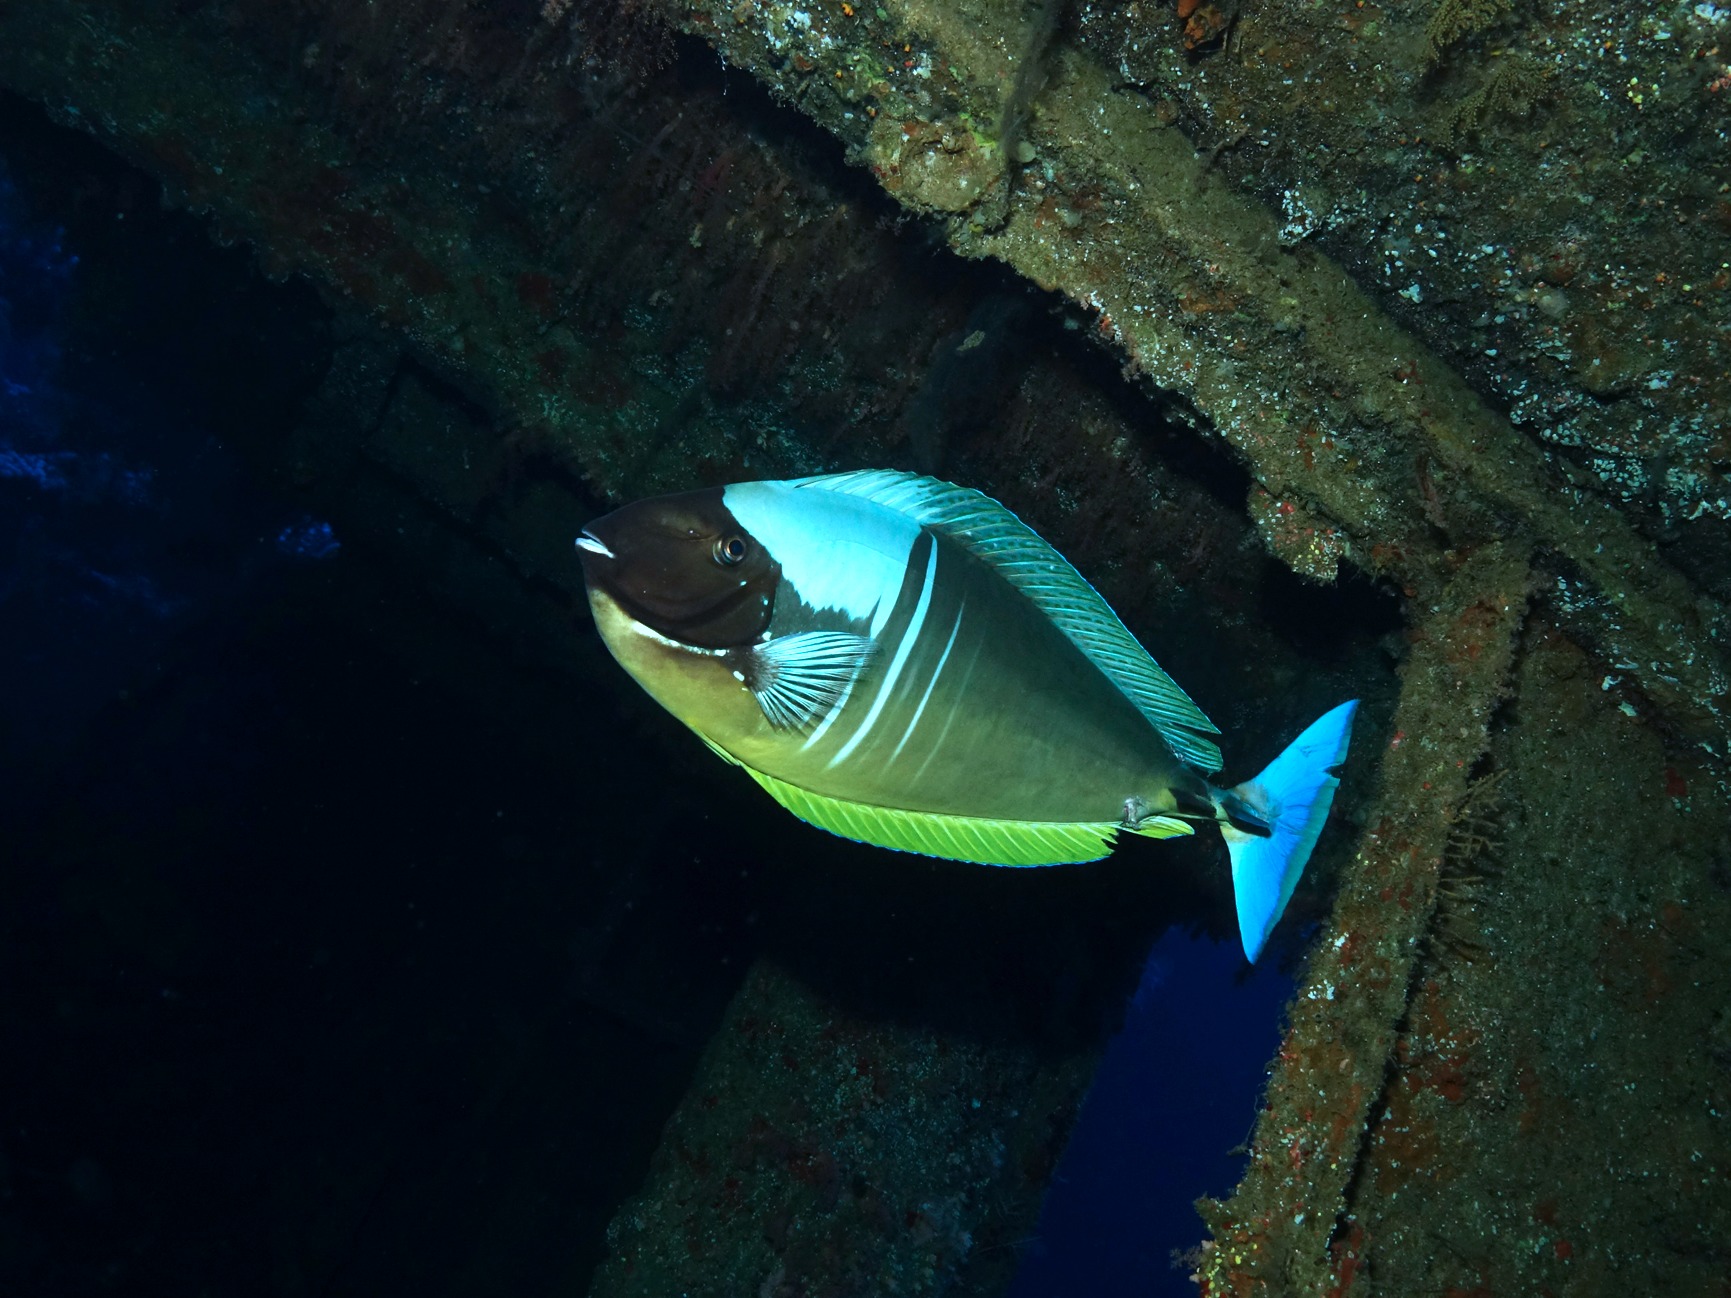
(797, 678)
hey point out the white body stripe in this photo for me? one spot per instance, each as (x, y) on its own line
(836, 552)
(936, 672)
(830, 716)
(961, 690)
(910, 638)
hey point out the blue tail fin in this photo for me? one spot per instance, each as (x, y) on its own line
(1292, 797)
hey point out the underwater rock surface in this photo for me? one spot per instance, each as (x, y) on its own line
(1427, 294)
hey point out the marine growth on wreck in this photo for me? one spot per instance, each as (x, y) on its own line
(368, 931)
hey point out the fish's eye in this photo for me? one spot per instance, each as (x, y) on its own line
(730, 550)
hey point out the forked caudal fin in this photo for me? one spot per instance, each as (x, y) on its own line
(1292, 797)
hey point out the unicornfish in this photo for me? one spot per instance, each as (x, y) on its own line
(903, 662)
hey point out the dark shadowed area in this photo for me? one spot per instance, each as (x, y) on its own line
(1166, 1120)
(365, 929)
(348, 948)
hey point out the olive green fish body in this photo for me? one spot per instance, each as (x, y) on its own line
(902, 661)
(992, 712)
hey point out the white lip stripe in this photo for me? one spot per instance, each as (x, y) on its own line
(910, 637)
(594, 545)
(931, 684)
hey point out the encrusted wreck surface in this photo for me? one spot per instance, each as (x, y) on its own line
(832, 1174)
(1332, 402)
(1593, 315)
(1449, 284)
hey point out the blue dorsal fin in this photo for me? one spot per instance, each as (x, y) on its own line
(995, 535)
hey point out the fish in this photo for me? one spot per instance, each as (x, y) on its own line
(903, 662)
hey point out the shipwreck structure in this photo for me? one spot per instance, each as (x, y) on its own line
(1426, 299)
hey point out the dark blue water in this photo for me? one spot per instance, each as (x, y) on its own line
(1169, 1113)
(125, 518)
(243, 818)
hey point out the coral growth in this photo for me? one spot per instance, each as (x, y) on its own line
(1454, 20)
(1514, 84)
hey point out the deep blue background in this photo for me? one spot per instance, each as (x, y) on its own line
(1176, 1095)
(141, 556)
(125, 516)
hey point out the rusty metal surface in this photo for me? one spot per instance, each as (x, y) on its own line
(1345, 1022)
(900, 1161)
(1383, 450)
(1441, 1052)
(1369, 447)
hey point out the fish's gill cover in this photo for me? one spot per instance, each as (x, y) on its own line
(994, 534)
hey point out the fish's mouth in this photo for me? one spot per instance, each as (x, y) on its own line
(594, 545)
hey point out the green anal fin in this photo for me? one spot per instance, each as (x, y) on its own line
(1164, 827)
(956, 838)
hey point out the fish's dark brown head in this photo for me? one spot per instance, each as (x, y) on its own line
(684, 567)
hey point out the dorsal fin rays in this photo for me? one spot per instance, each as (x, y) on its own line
(997, 537)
